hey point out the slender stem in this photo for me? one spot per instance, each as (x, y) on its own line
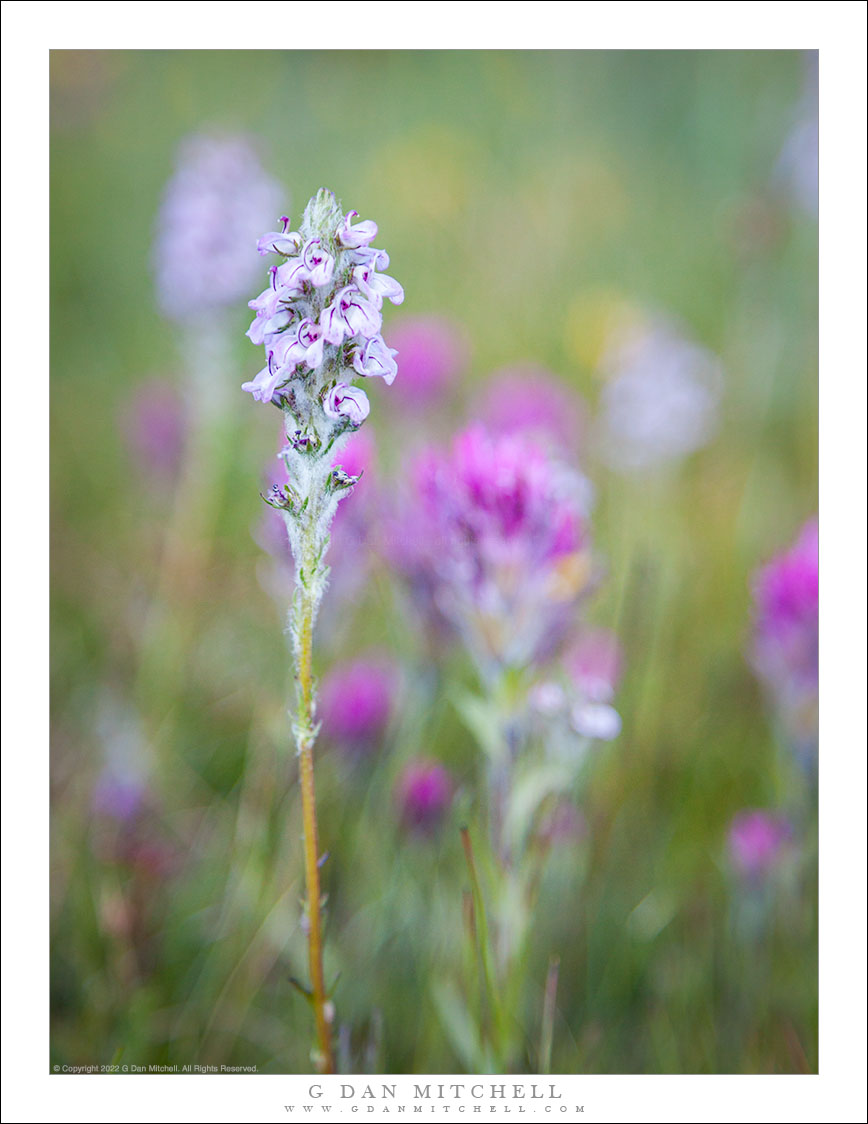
(189, 534)
(490, 987)
(547, 1031)
(305, 737)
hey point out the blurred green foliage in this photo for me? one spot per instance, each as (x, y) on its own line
(520, 193)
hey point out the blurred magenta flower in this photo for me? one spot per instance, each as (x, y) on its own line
(356, 515)
(432, 352)
(786, 593)
(356, 701)
(356, 458)
(661, 397)
(155, 425)
(786, 629)
(527, 398)
(758, 841)
(214, 207)
(496, 533)
(423, 793)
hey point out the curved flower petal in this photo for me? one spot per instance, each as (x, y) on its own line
(375, 286)
(334, 327)
(264, 327)
(386, 286)
(370, 256)
(314, 354)
(358, 313)
(267, 303)
(375, 359)
(286, 350)
(291, 277)
(360, 234)
(320, 265)
(345, 401)
(263, 386)
(278, 242)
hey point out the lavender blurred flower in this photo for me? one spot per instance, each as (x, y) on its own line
(661, 397)
(757, 842)
(798, 167)
(497, 532)
(433, 351)
(526, 398)
(155, 425)
(121, 791)
(126, 829)
(356, 701)
(786, 632)
(595, 720)
(594, 667)
(118, 797)
(579, 703)
(213, 209)
(424, 793)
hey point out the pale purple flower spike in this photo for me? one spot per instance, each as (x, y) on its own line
(213, 208)
(322, 311)
(319, 320)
